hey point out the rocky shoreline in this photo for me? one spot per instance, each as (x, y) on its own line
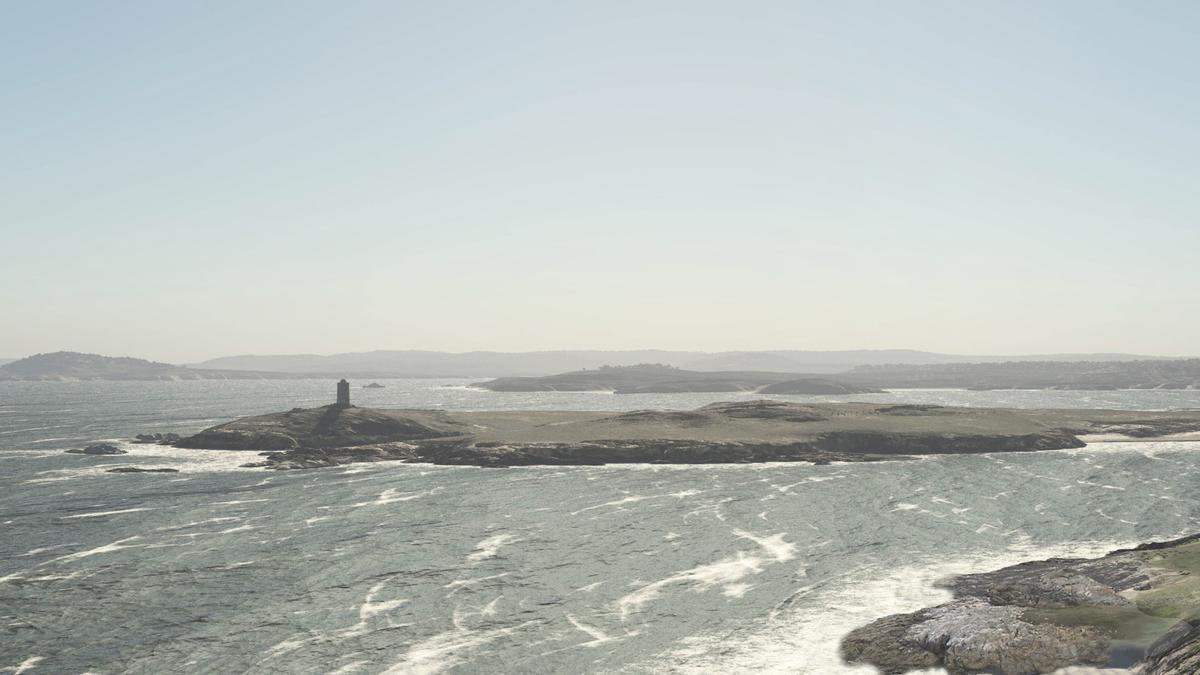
(587, 453)
(739, 432)
(1134, 608)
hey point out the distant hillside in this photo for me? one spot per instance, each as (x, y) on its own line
(4, 361)
(412, 363)
(662, 379)
(1160, 374)
(77, 366)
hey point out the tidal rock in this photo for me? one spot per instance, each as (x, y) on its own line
(1057, 588)
(98, 449)
(883, 645)
(970, 636)
(156, 438)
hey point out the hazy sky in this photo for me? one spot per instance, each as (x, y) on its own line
(181, 180)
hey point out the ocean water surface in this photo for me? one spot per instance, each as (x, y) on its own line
(402, 568)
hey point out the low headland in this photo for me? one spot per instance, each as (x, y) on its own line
(1135, 608)
(656, 378)
(738, 432)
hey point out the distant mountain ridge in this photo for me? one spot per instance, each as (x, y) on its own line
(69, 366)
(417, 363)
(717, 370)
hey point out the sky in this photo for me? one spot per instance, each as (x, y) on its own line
(186, 180)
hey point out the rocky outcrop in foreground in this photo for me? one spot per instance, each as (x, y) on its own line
(739, 432)
(1136, 608)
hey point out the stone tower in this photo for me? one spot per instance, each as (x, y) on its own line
(343, 394)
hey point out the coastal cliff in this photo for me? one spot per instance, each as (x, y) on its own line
(1135, 608)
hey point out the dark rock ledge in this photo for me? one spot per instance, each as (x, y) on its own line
(98, 449)
(1135, 608)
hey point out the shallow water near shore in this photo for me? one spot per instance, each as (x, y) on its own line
(422, 569)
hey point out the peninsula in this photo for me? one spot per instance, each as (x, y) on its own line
(654, 378)
(1136, 608)
(739, 432)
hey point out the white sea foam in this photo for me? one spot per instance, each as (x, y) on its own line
(488, 548)
(189, 459)
(774, 545)
(106, 548)
(587, 589)
(27, 665)
(726, 572)
(392, 495)
(616, 502)
(598, 636)
(458, 584)
(446, 650)
(98, 514)
(736, 590)
(367, 611)
(194, 523)
(803, 633)
(42, 549)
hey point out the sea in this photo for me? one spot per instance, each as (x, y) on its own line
(410, 568)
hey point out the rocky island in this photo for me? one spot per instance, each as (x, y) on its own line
(653, 378)
(738, 432)
(1135, 608)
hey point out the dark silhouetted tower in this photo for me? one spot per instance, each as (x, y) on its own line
(343, 399)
